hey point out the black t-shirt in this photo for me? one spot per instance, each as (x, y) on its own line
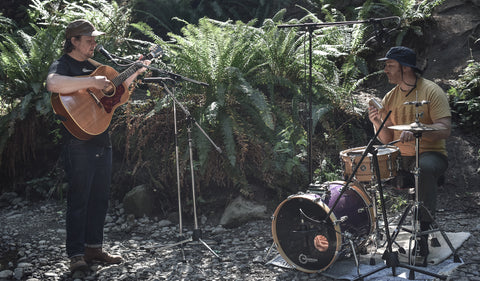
(68, 66)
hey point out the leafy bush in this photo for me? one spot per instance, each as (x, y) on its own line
(465, 97)
(159, 13)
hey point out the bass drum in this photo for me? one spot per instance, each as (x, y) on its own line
(310, 241)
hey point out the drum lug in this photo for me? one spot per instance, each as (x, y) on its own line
(354, 166)
(341, 220)
(390, 165)
(371, 166)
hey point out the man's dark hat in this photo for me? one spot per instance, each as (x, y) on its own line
(405, 56)
(81, 27)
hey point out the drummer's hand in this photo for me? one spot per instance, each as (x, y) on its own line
(373, 114)
(406, 136)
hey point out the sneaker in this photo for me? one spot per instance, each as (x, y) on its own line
(78, 264)
(98, 255)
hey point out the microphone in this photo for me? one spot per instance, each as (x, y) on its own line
(104, 52)
(381, 33)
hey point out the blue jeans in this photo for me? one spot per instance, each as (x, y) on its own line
(88, 168)
(432, 166)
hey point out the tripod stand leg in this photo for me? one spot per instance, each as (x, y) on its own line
(456, 258)
(400, 222)
(352, 246)
(435, 228)
(208, 247)
(269, 251)
(197, 233)
(176, 244)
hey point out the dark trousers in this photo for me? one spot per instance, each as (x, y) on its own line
(88, 168)
(432, 166)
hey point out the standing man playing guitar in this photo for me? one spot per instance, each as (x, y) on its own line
(88, 161)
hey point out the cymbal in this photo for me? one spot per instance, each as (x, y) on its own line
(416, 127)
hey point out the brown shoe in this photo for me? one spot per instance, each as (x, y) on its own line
(78, 264)
(97, 254)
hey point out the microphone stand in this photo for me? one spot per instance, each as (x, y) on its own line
(172, 75)
(197, 232)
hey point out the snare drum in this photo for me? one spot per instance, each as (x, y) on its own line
(387, 163)
(309, 240)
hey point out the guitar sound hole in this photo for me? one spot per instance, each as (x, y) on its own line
(109, 91)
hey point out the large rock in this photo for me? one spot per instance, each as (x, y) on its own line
(139, 201)
(450, 43)
(241, 211)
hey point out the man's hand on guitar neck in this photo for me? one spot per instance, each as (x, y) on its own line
(138, 72)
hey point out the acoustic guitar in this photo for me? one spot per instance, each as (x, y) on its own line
(88, 112)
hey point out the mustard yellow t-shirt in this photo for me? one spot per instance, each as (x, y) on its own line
(402, 114)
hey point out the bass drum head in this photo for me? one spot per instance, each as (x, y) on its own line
(304, 238)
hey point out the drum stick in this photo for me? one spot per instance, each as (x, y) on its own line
(393, 142)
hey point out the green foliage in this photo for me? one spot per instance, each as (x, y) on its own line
(108, 16)
(232, 108)
(465, 97)
(24, 65)
(159, 13)
(256, 107)
(25, 56)
(256, 102)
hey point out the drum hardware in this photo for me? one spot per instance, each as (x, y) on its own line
(334, 206)
(415, 207)
(341, 220)
(390, 257)
(322, 240)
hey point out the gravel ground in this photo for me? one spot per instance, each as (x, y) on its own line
(32, 247)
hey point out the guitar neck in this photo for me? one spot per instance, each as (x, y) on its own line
(125, 74)
(117, 81)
